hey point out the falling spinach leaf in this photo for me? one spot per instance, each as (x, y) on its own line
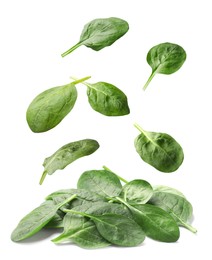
(100, 33)
(159, 150)
(165, 58)
(107, 99)
(177, 206)
(103, 182)
(50, 107)
(67, 154)
(37, 219)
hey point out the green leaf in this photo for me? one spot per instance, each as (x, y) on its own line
(50, 107)
(36, 219)
(160, 150)
(165, 58)
(100, 33)
(162, 188)
(89, 237)
(156, 223)
(117, 229)
(56, 221)
(81, 230)
(137, 192)
(176, 205)
(73, 223)
(67, 154)
(107, 99)
(81, 193)
(103, 182)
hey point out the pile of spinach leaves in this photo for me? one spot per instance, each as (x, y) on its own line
(102, 212)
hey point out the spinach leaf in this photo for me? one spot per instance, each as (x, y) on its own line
(100, 33)
(37, 219)
(67, 154)
(81, 230)
(137, 192)
(81, 193)
(160, 150)
(73, 223)
(50, 107)
(107, 99)
(56, 221)
(89, 237)
(162, 188)
(117, 229)
(165, 58)
(103, 182)
(155, 222)
(177, 206)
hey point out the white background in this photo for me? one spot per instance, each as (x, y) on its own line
(33, 35)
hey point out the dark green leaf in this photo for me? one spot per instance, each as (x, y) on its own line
(107, 99)
(89, 237)
(73, 223)
(67, 154)
(103, 182)
(156, 223)
(165, 58)
(159, 150)
(137, 192)
(100, 33)
(117, 229)
(37, 219)
(176, 205)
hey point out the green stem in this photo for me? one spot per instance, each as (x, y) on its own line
(189, 227)
(80, 213)
(77, 81)
(140, 129)
(122, 201)
(67, 200)
(71, 49)
(120, 178)
(43, 177)
(84, 83)
(149, 79)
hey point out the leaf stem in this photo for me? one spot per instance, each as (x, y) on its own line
(189, 227)
(149, 79)
(67, 200)
(140, 129)
(43, 177)
(71, 49)
(77, 81)
(120, 178)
